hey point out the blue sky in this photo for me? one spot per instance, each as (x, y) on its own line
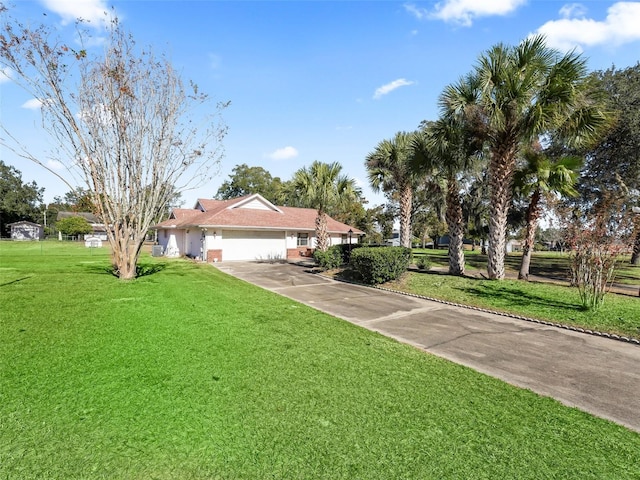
(323, 80)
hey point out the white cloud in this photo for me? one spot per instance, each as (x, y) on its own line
(33, 104)
(5, 74)
(573, 10)
(619, 27)
(92, 11)
(283, 153)
(419, 13)
(55, 165)
(463, 12)
(389, 87)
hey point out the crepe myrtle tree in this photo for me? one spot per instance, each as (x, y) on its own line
(123, 123)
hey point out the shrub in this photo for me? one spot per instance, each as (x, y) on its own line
(345, 250)
(379, 265)
(329, 259)
(597, 236)
(74, 226)
(424, 263)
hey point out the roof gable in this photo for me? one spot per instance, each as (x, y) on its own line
(255, 202)
(23, 222)
(205, 204)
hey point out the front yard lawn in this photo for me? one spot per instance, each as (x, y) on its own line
(188, 373)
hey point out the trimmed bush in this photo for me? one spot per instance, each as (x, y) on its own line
(424, 263)
(379, 265)
(328, 260)
(345, 250)
(335, 256)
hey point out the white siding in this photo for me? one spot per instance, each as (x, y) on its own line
(256, 204)
(172, 242)
(193, 243)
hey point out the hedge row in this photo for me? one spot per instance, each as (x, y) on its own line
(335, 256)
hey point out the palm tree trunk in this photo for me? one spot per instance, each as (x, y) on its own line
(635, 256)
(501, 170)
(406, 198)
(533, 214)
(456, 230)
(322, 237)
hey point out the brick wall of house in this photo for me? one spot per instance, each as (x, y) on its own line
(214, 256)
(298, 253)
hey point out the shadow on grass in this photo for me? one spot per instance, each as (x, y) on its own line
(15, 281)
(628, 274)
(142, 269)
(501, 295)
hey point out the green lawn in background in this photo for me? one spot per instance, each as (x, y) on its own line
(189, 373)
(552, 265)
(556, 303)
(620, 314)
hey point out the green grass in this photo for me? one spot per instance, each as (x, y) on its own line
(553, 265)
(555, 303)
(189, 373)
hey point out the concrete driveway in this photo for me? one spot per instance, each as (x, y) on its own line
(595, 374)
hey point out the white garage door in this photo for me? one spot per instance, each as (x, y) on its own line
(253, 245)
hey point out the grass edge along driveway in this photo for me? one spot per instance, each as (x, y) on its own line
(190, 373)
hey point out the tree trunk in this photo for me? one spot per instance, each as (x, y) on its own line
(501, 170)
(456, 229)
(125, 250)
(635, 256)
(322, 240)
(533, 214)
(406, 198)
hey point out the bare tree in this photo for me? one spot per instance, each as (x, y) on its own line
(123, 122)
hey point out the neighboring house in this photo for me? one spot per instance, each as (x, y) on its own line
(99, 230)
(394, 241)
(26, 231)
(513, 246)
(245, 228)
(443, 241)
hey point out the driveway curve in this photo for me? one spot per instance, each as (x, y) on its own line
(598, 375)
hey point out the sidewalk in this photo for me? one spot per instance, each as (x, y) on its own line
(597, 375)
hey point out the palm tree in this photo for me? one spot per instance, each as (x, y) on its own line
(539, 176)
(323, 187)
(475, 207)
(513, 96)
(391, 168)
(446, 148)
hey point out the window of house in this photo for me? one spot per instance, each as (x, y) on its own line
(303, 239)
(345, 238)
